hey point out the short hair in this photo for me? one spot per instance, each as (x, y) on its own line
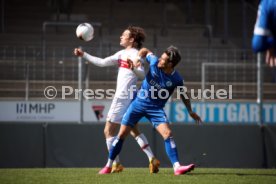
(138, 34)
(174, 55)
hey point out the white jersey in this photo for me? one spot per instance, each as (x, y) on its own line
(126, 77)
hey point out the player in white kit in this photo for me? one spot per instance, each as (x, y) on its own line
(131, 39)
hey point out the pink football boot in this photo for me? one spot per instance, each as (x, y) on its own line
(184, 169)
(105, 170)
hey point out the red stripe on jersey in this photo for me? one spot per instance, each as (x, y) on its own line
(123, 63)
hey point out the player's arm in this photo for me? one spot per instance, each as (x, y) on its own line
(137, 65)
(262, 39)
(108, 61)
(138, 69)
(262, 42)
(143, 55)
(187, 102)
(143, 52)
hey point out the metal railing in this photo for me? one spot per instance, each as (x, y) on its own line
(23, 74)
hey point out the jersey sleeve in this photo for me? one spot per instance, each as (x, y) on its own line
(152, 59)
(108, 61)
(180, 83)
(180, 80)
(139, 71)
(262, 34)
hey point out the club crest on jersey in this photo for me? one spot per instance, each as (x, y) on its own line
(169, 83)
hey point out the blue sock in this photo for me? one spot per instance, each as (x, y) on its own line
(115, 148)
(171, 150)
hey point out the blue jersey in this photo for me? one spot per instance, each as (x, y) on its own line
(265, 27)
(158, 86)
(155, 90)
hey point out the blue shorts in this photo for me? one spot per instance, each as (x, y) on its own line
(137, 110)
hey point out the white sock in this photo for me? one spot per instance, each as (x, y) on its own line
(176, 165)
(109, 163)
(109, 144)
(143, 143)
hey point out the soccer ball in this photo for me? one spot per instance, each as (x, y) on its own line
(85, 31)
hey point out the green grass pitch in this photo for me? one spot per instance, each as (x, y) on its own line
(136, 175)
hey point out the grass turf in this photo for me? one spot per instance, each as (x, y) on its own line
(136, 175)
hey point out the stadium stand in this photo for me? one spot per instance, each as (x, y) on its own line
(21, 46)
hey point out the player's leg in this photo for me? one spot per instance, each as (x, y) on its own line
(159, 120)
(116, 148)
(112, 126)
(131, 117)
(110, 131)
(171, 149)
(118, 142)
(170, 145)
(143, 143)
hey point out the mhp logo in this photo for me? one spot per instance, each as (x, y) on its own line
(34, 108)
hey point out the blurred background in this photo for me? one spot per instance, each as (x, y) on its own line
(37, 39)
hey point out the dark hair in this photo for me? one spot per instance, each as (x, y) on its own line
(174, 55)
(138, 34)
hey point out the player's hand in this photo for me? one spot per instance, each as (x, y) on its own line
(78, 52)
(133, 64)
(137, 64)
(270, 57)
(196, 117)
(143, 52)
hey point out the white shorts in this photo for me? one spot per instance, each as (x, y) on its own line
(117, 110)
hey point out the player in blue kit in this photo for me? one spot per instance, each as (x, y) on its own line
(156, 88)
(265, 31)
